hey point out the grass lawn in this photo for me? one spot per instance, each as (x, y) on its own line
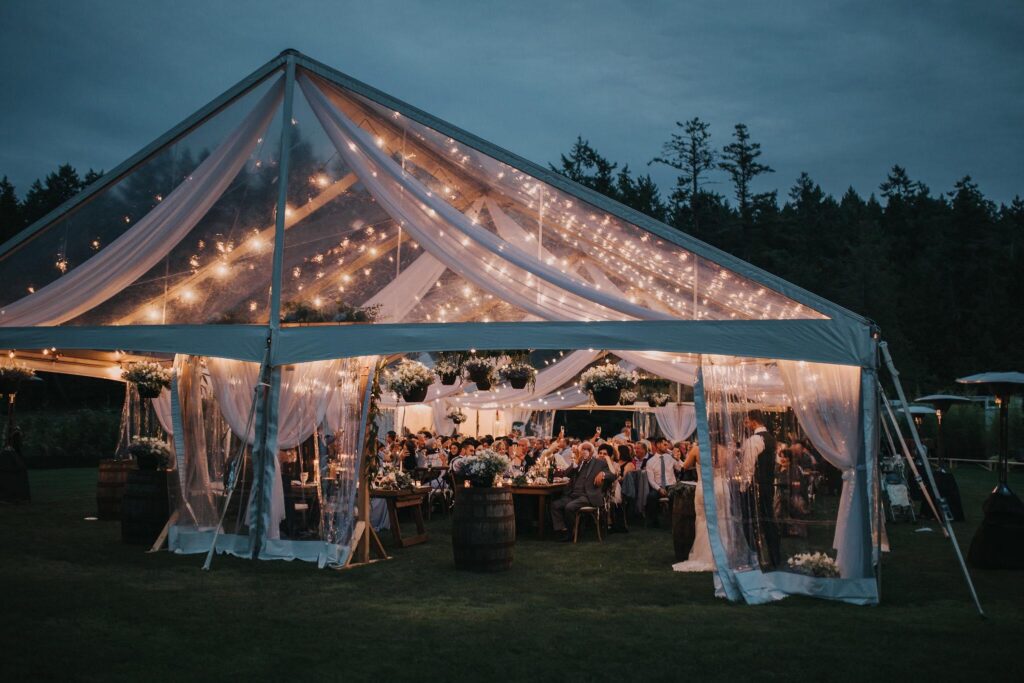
(77, 604)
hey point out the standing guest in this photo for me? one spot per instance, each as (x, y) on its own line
(661, 474)
(757, 490)
(616, 466)
(587, 479)
(626, 433)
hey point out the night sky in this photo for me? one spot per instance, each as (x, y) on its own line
(838, 89)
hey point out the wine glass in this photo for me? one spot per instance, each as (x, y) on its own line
(304, 477)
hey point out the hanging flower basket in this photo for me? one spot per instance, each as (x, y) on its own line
(448, 366)
(149, 390)
(150, 454)
(479, 370)
(607, 396)
(11, 377)
(658, 400)
(448, 378)
(518, 374)
(415, 395)
(627, 397)
(410, 380)
(149, 378)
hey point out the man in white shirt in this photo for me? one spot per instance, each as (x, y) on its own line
(661, 474)
(626, 434)
(757, 491)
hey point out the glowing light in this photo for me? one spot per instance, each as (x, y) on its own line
(222, 269)
(188, 296)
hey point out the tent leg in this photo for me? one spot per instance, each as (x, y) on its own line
(910, 461)
(946, 517)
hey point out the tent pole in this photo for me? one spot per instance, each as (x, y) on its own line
(896, 453)
(947, 515)
(910, 459)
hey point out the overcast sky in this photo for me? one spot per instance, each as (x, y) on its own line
(841, 90)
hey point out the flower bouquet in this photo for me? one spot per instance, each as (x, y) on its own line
(627, 397)
(149, 378)
(518, 374)
(606, 382)
(483, 468)
(149, 453)
(814, 564)
(11, 377)
(480, 369)
(410, 380)
(391, 478)
(456, 415)
(447, 366)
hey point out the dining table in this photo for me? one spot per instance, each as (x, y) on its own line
(542, 492)
(398, 499)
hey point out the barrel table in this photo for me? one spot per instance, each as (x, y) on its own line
(113, 475)
(483, 529)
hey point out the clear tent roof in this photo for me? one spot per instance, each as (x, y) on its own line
(382, 211)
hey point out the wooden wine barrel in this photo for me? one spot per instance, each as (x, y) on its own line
(483, 529)
(110, 487)
(144, 507)
(683, 521)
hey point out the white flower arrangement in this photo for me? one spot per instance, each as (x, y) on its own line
(409, 376)
(814, 564)
(659, 399)
(627, 398)
(483, 468)
(143, 447)
(391, 478)
(456, 415)
(150, 378)
(518, 370)
(607, 376)
(478, 364)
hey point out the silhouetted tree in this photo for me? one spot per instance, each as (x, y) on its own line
(692, 155)
(740, 161)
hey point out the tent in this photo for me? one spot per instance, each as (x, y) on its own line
(228, 243)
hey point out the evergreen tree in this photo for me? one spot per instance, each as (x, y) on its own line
(11, 222)
(585, 166)
(692, 155)
(43, 197)
(740, 161)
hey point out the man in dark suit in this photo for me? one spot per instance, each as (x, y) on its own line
(588, 478)
(759, 465)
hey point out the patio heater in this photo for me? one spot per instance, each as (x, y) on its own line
(999, 541)
(942, 404)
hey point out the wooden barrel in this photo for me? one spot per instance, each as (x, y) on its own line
(483, 529)
(683, 521)
(144, 507)
(110, 487)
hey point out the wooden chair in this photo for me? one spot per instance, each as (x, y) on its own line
(592, 512)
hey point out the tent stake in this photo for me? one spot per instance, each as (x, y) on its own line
(947, 515)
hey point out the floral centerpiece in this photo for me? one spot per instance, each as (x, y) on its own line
(149, 453)
(483, 468)
(518, 374)
(814, 564)
(410, 380)
(542, 471)
(627, 397)
(391, 478)
(148, 377)
(606, 382)
(447, 366)
(480, 369)
(456, 415)
(11, 377)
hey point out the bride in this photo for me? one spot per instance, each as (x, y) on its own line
(700, 559)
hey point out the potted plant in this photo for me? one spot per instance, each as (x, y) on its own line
(655, 391)
(518, 374)
(480, 370)
(814, 564)
(606, 382)
(392, 478)
(456, 416)
(410, 380)
(11, 377)
(447, 366)
(149, 378)
(627, 397)
(482, 469)
(150, 454)
(658, 400)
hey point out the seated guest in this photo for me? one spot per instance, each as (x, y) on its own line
(624, 459)
(640, 455)
(661, 474)
(517, 462)
(531, 451)
(409, 456)
(587, 480)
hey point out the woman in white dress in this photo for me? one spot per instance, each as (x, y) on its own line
(700, 559)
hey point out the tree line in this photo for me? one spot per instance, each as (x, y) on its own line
(940, 273)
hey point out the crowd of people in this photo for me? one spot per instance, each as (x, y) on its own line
(778, 476)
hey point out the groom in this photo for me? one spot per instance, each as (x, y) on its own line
(758, 491)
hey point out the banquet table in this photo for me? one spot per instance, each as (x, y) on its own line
(405, 498)
(542, 492)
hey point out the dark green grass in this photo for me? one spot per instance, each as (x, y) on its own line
(78, 605)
